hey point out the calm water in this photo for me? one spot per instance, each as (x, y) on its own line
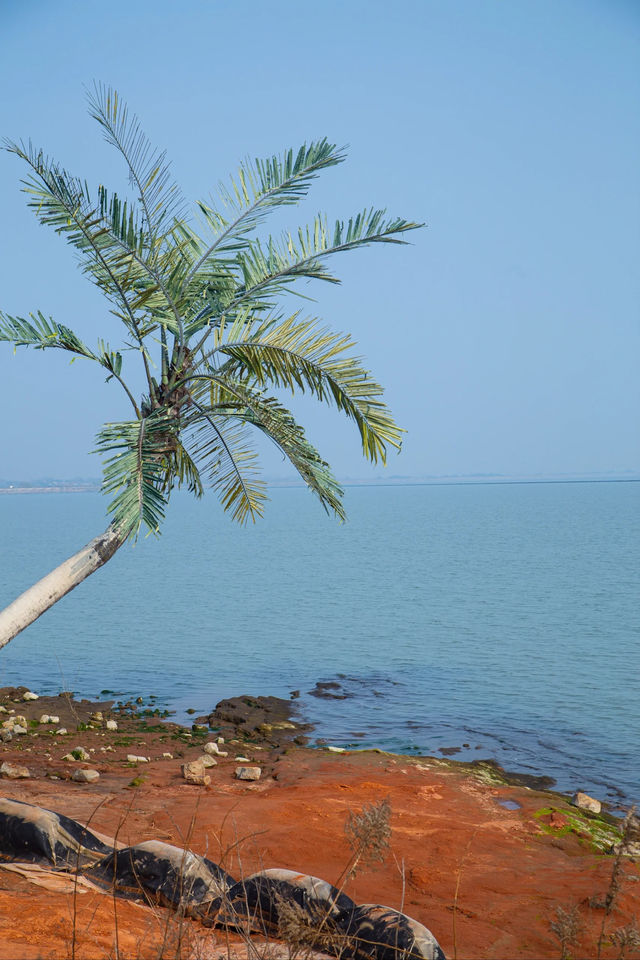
(502, 617)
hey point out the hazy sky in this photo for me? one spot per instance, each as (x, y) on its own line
(507, 335)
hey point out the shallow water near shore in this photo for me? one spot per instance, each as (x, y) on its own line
(500, 617)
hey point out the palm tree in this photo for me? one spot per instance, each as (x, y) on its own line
(200, 314)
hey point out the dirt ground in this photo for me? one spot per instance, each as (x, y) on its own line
(485, 878)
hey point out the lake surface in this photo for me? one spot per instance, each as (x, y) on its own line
(504, 617)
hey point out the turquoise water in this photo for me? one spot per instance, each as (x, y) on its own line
(504, 617)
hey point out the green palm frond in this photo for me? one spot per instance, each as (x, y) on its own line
(219, 446)
(41, 333)
(149, 171)
(222, 395)
(267, 268)
(181, 469)
(260, 185)
(301, 355)
(135, 453)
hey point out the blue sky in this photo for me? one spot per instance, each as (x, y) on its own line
(506, 335)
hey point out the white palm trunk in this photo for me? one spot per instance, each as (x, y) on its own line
(37, 599)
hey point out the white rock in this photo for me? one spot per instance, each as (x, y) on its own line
(8, 724)
(53, 719)
(20, 719)
(79, 753)
(68, 756)
(17, 728)
(30, 696)
(132, 758)
(193, 772)
(61, 732)
(585, 802)
(85, 776)
(14, 771)
(248, 773)
(336, 749)
(214, 750)
(112, 725)
(45, 718)
(220, 740)
(243, 760)
(168, 756)
(208, 761)
(2, 709)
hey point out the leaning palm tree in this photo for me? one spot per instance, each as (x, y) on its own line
(200, 310)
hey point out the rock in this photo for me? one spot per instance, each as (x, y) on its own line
(53, 719)
(193, 772)
(627, 850)
(248, 773)
(68, 756)
(6, 736)
(85, 776)
(208, 760)
(29, 695)
(585, 802)
(243, 760)
(132, 758)
(2, 709)
(112, 725)
(220, 741)
(19, 719)
(336, 749)
(17, 728)
(13, 771)
(79, 753)
(62, 732)
(97, 716)
(45, 718)
(168, 756)
(214, 750)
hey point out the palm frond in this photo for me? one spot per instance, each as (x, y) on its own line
(41, 333)
(135, 453)
(223, 396)
(259, 186)
(268, 267)
(219, 447)
(301, 355)
(149, 172)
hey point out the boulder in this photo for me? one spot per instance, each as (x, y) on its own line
(29, 695)
(585, 802)
(248, 773)
(14, 771)
(85, 776)
(194, 772)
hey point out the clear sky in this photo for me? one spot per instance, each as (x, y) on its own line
(507, 335)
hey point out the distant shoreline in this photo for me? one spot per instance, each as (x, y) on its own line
(63, 487)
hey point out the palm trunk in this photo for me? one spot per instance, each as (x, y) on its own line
(37, 599)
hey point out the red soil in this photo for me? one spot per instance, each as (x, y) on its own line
(484, 879)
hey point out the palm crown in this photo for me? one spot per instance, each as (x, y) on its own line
(200, 310)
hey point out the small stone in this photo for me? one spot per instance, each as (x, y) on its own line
(53, 719)
(193, 772)
(85, 776)
(22, 721)
(585, 802)
(79, 753)
(97, 715)
(29, 695)
(336, 749)
(2, 709)
(19, 729)
(214, 750)
(68, 756)
(112, 725)
(13, 771)
(132, 758)
(243, 760)
(168, 756)
(8, 724)
(209, 761)
(45, 718)
(248, 773)
(62, 732)
(220, 741)
(6, 736)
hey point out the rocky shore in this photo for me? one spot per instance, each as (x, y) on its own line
(482, 861)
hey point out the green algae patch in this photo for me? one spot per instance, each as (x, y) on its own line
(598, 834)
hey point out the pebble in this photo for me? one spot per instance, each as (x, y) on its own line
(2, 709)
(132, 758)
(112, 725)
(53, 719)
(248, 773)
(29, 695)
(45, 718)
(336, 749)
(62, 732)
(85, 776)
(168, 756)
(13, 771)
(243, 760)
